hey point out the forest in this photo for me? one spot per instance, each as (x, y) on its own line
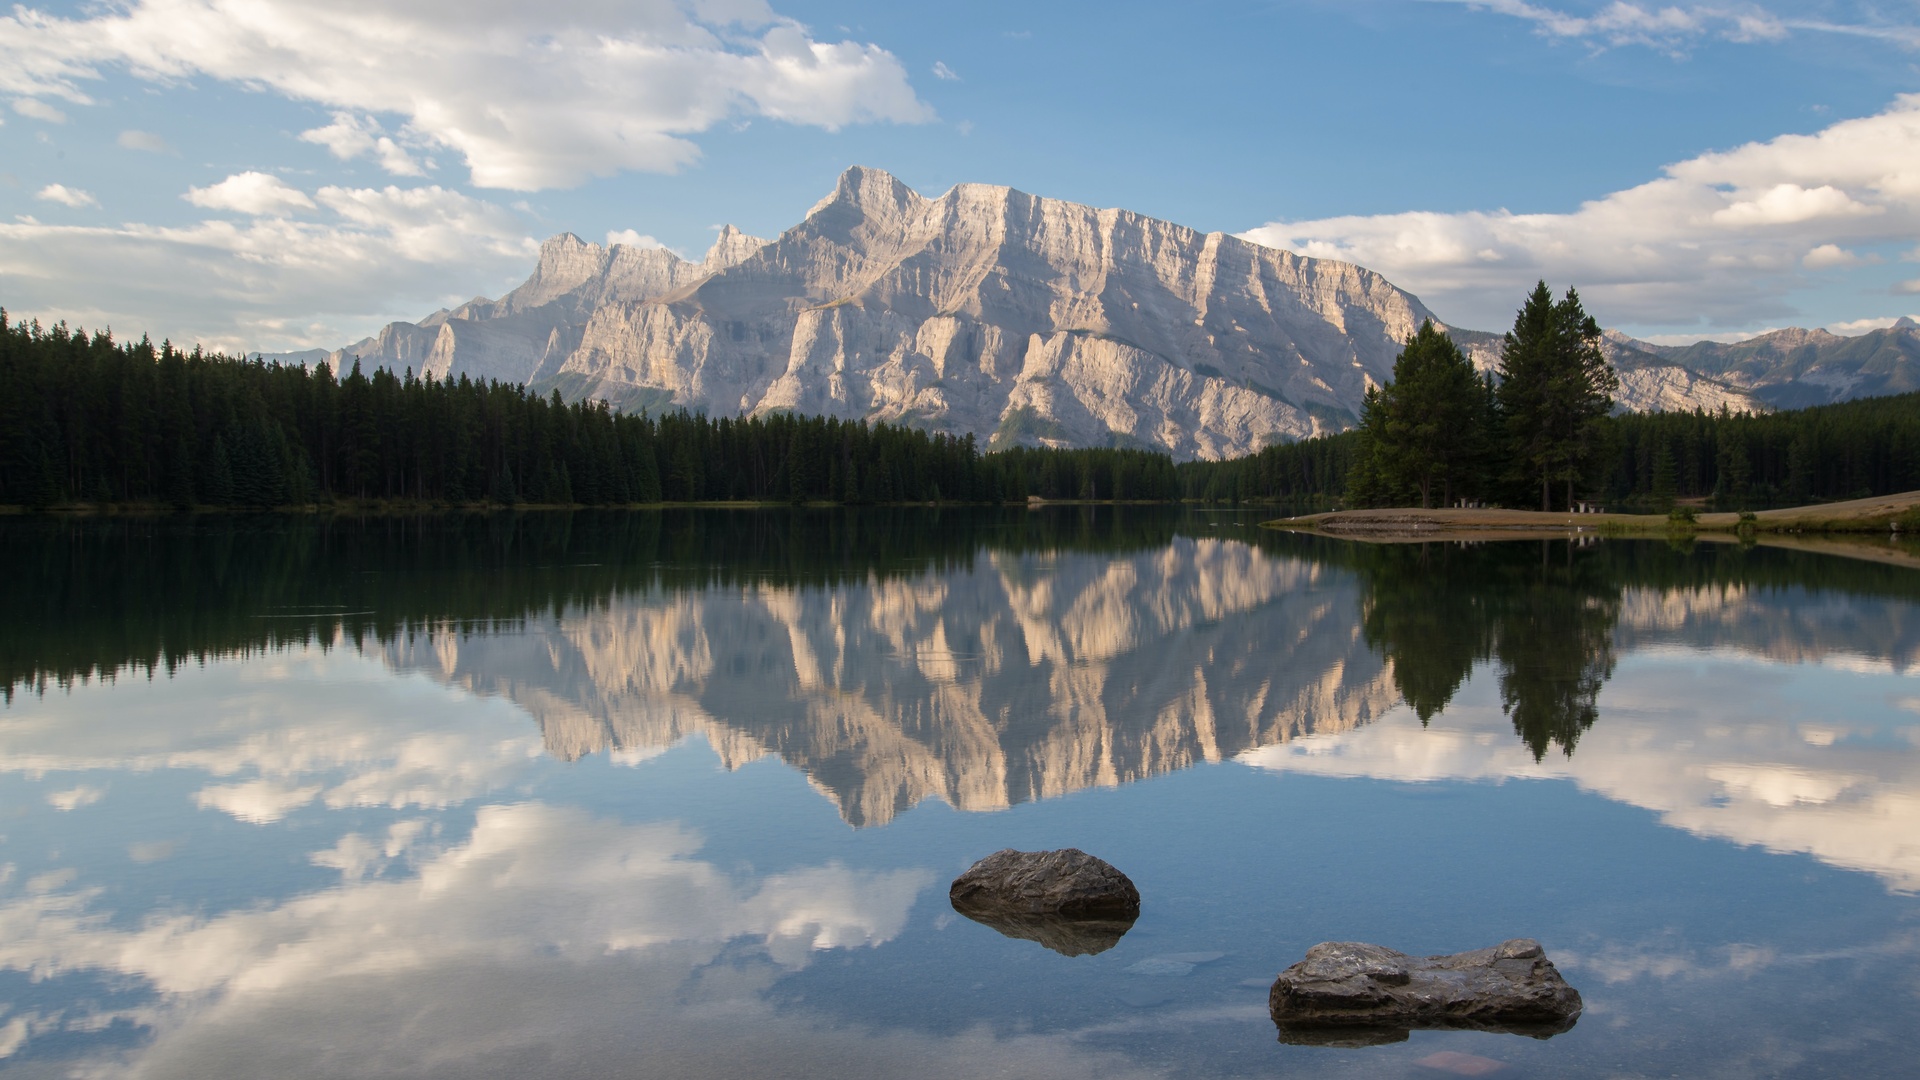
(1541, 431)
(85, 420)
(1650, 461)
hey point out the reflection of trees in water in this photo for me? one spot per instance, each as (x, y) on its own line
(1544, 616)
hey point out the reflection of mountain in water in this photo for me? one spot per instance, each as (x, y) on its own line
(1020, 677)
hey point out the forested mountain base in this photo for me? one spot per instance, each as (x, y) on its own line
(88, 421)
(85, 420)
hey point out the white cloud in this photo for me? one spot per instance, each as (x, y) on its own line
(531, 96)
(631, 238)
(942, 71)
(254, 193)
(39, 110)
(1669, 27)
(1723, 237)
(351, 136)
(1828, 256)
(66, 196)
(1853, 328)
(143, 140)
(371, 255)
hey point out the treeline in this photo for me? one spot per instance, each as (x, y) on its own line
(1733, 461)
(1541, 435)
(1310, 474)
(1852, 450)
(84, 419)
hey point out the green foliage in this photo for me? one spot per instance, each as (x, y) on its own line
(1425, 434)
(86, 419)
(1556, 389)
(1309, 475)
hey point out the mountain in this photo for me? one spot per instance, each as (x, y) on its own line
(986, 311)
(1794, 368)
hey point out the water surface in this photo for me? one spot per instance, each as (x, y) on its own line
(679, 794)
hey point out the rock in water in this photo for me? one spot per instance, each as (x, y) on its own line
(1342, 986)
(1067, 935)
(1067, 882)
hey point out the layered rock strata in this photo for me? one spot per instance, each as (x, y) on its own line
(984, 311)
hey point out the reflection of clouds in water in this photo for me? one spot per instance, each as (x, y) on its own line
(75, 798)
(276, 741)
(1671, 960)
(1678, 735)
(535, 893)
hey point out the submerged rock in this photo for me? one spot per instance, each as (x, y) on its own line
(1351, 994)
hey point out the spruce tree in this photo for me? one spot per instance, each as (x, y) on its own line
(1555, 391)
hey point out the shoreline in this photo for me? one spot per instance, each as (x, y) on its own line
(1885, 514)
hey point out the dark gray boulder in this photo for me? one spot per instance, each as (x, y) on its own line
(1067, 900)
(1349, 994)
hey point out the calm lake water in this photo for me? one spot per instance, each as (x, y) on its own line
(680, 794)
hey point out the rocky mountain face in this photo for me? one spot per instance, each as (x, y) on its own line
(1794, 368)
(986, 311)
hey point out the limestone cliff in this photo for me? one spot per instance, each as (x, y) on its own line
(988, 311)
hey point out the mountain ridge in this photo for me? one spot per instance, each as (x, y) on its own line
(983, 311)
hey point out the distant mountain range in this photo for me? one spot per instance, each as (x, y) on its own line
(1025, 320)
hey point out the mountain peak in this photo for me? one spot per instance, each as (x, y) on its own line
(731, 248)
(867, 192)
(1905, 322)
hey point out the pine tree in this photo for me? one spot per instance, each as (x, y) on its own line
(1555, 391)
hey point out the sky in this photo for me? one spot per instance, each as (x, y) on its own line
(274, 175)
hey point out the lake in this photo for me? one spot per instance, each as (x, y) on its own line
(679, 794)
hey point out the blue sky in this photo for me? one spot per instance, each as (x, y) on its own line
(273, 174)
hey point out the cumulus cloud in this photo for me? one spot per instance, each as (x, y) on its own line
(355, 258)
(66, 196)
(632, 238)
(942, 71)
(250, 193)
(351, 136)
(1828, 256)
(1722, 237)
(530, 97)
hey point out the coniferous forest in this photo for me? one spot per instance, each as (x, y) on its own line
(85, 420)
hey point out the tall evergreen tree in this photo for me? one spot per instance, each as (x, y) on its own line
(1555, 391)
(1428, 427)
